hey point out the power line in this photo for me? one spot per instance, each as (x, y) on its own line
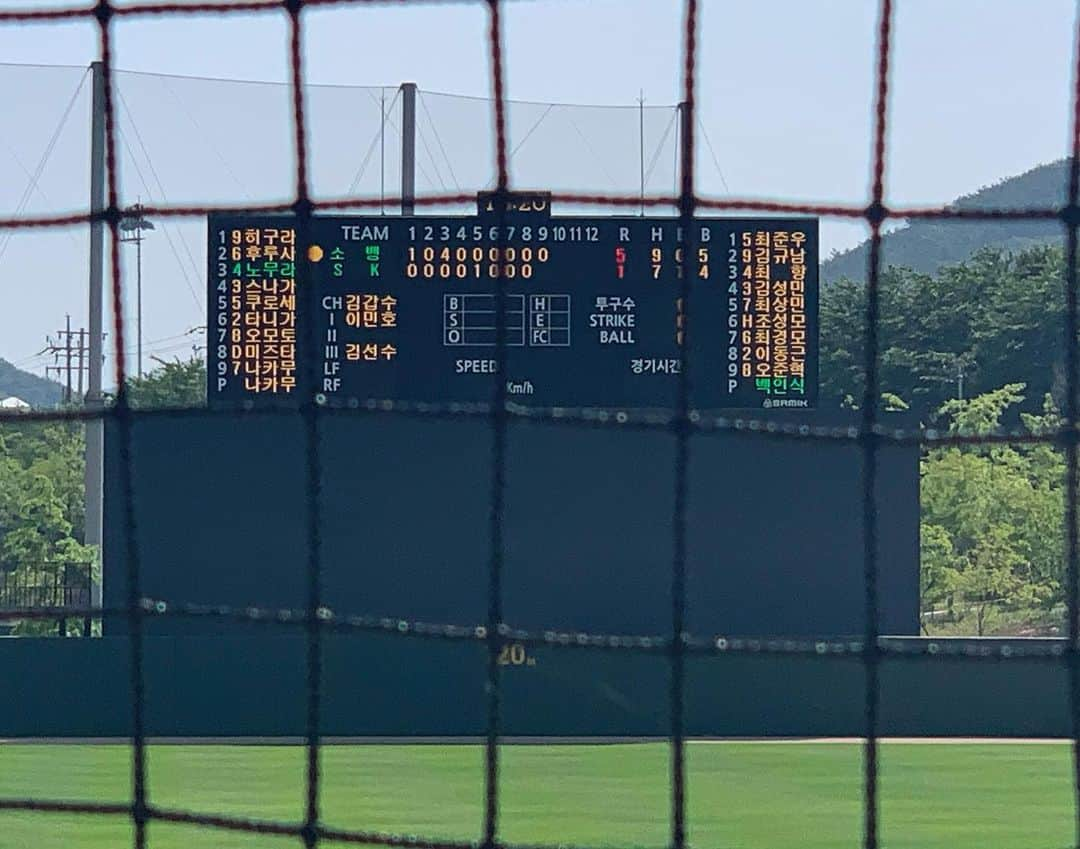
(164, 228)
(174, 340)
(423, 173)
(40, 191)
(384, 110)
(32, 360)
(207, 137)
(364, 164)
(660, 147)
(161, 189)
(715, 158)
(7, 237)
(592, 150)
(434, 164)
(164, 197)
(532, 130)
(438, 140)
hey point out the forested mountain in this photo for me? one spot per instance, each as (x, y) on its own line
(926, 246)
(996, 319)
(34, 390)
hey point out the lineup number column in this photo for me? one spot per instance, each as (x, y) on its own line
(254, 329)
(736, 369)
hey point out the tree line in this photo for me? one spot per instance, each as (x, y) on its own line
(42, 503)
(976, 348)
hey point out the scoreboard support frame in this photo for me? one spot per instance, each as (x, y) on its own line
(408, 148)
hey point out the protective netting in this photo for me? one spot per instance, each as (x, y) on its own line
(171, 149)
(316, 620)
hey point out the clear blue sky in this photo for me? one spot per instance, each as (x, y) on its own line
(981, 91)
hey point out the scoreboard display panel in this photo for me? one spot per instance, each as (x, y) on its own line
(593, 309)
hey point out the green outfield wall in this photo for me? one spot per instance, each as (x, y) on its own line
(404, 686)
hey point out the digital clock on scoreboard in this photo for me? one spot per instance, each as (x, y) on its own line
(593, 309)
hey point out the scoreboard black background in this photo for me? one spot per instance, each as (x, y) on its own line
(404, 309)
(775, 542)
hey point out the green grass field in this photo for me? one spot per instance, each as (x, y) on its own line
(741, 795)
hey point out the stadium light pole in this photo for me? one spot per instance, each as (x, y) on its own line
(132, 225)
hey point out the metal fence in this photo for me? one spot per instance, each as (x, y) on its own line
(47, 586)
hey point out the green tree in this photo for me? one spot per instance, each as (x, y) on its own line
(41, 507)
(179, 383)
(991, 576)
(992, 520)
(995, 319)
(940, 569)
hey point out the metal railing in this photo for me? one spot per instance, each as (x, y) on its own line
(47, 586)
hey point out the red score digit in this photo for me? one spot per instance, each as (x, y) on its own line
(620, 262)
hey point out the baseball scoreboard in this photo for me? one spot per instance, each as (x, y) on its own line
(593, 310)
(597, 312)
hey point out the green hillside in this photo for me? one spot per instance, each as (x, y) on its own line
(34, 390)
(925, 246)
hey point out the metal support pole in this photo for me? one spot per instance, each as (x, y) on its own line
(82, 362)
(641, 147)
(87, 625)
(408, 148)
(67, 358)
(678, 159)
(382, 151)
(95, 428)
(138, 288)
(684, 132)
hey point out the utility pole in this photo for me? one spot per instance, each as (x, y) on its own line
(408, 148)
(56, 350)
(95, 427)
(67, 353)
(82, 351)
(72, 351)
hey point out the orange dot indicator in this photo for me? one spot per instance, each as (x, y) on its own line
(314, 253)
